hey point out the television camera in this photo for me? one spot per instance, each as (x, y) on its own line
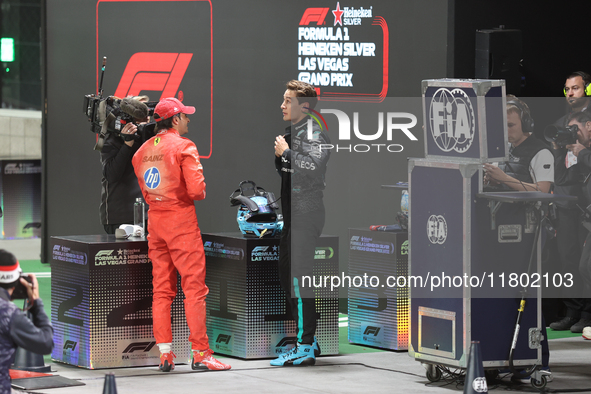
(562, 136)
(110, 114)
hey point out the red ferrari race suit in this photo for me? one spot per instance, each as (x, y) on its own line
(171, 177)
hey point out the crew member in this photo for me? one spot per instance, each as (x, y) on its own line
(119, 186)
(171, 178)
(579, 309)
(531, 163)
(570, 233)
(301, 164)
(16, 329)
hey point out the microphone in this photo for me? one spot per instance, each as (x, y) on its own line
(134, 108)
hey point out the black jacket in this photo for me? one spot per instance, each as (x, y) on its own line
(16, 330)
(573, 181)
(302, 168)
(120, 187)
(520, 158)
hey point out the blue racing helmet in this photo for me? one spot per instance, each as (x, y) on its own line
(256, 215)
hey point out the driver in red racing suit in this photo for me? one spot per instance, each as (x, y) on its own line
(170, 176)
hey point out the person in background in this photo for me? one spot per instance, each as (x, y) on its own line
(16, 329)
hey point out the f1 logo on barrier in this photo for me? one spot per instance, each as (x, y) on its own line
(70, 345)
(153, 71)
(287, 341)
(223, 338)
(140, 346)
(369, 330)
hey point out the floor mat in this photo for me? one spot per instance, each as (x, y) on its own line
(44, 382)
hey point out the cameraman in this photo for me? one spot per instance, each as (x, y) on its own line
(119, 183)
(16, 329)
(573, 168)
(531, 163)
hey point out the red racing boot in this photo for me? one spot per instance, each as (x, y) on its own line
(205, 360)
(166, 361)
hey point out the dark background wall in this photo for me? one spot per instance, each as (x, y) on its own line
(255, 46)
(554, 41)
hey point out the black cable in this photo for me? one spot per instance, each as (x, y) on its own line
(521, 309)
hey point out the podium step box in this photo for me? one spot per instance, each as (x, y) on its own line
(101, 309)
(246, 307)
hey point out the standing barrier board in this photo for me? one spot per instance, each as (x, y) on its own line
(247, 314)
(378, 313)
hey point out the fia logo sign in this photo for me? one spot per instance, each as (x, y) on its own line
(436, 229)
(452, 120)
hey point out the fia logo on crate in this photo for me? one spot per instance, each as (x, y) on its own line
(436, 229)
(479, 385)
(452, 120)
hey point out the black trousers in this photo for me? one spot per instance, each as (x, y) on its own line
(570, 237)
(296, 259)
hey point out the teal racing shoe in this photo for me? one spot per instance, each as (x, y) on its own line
(300, 355)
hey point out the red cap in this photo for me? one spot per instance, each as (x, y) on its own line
(169, 107)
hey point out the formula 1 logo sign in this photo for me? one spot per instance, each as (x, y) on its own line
(372, 334)
(370, 330)
(343, 52)
(153, 71)
(139, 346)
(166, 62)
(315, 15)
(452, 120)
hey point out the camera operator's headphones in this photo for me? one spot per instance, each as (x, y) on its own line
(586, 79)
(527, 122)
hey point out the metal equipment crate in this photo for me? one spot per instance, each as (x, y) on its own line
(455, 234)
(465, 120)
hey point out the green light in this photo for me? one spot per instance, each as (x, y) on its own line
(7, 69)
(7, 49)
